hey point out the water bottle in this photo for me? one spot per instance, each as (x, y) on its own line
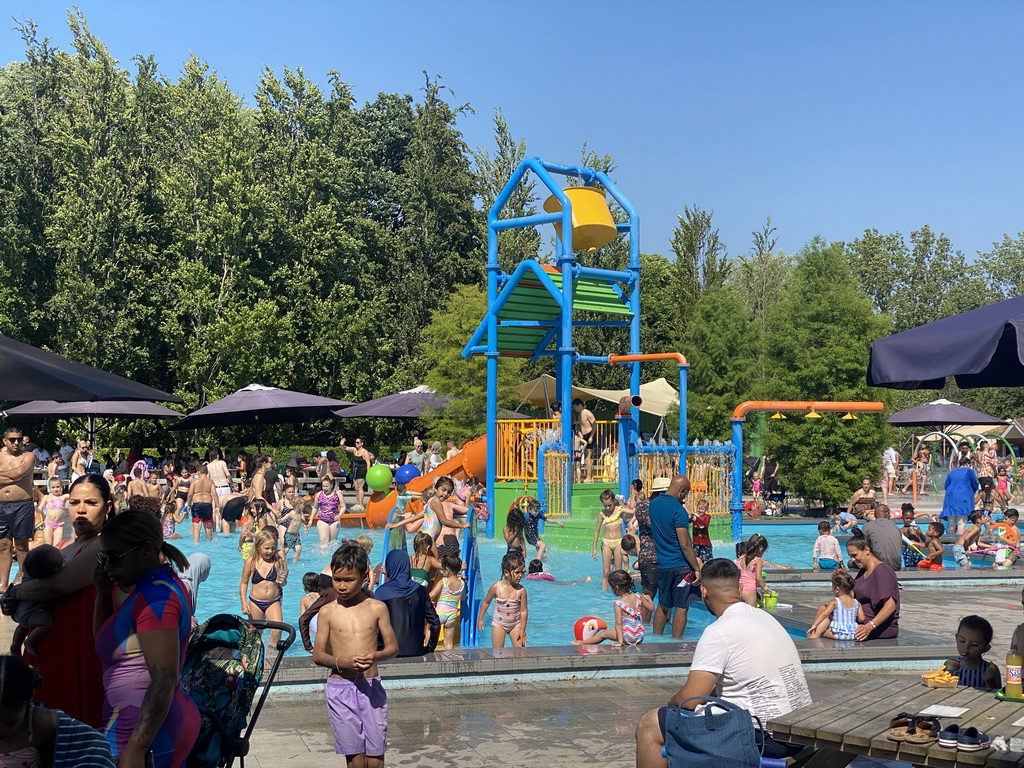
(1013, 682)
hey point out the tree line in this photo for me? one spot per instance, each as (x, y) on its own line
(172, 231)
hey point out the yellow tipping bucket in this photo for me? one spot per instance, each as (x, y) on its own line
(592, 223)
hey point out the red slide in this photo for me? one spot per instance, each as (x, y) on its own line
(471, 462)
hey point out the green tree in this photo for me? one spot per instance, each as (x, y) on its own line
(1004, 266)
(465, 381)
(918, 282)
(761, 278)
(720, 342)
(822, 329)
(492, 173)
(701, 260)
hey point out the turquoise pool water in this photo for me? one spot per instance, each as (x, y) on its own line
(554, 608)
(791, 544)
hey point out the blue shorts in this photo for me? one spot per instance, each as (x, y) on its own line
(960, 555)
(828, 564)
(670, 594)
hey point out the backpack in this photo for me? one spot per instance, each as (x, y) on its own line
(223, 668)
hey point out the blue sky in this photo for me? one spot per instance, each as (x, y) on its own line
(829, 117)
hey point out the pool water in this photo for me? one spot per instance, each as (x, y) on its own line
(553, 608)
(791, 544)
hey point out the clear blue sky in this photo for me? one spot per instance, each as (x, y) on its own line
(829, 117)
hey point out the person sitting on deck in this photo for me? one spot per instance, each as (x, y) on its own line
(730, 662)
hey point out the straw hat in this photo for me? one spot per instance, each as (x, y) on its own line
(660, 484)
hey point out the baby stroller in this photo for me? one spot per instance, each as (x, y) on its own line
(223, 669)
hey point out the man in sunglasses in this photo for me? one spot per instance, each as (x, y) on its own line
(17, 513)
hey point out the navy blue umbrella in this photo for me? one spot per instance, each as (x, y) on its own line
(30, 373)
(980, 348)
(941, 413)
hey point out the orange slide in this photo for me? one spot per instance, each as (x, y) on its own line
(471, 462)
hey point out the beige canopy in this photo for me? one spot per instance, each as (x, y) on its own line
(658, 395)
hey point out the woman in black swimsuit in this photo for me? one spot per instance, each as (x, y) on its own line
(361, 461)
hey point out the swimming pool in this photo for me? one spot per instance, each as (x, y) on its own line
(554, 608)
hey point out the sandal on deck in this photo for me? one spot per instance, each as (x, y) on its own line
(899, 727)
(926, 730)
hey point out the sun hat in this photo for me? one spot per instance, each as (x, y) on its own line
(660, 484)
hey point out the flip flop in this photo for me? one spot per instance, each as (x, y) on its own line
(926, 730)
(900, 726)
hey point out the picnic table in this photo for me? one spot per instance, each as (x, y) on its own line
(856, 722)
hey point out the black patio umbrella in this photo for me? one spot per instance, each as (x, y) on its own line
(980, 348)
(260, 405)
(29, 373)
(941, 413)
(409, 404)
(91, 409)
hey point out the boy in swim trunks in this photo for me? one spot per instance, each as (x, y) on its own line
(346, 644)
(531, 527)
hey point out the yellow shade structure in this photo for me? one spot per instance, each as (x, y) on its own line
(592, 222)
(812, 415)
(778, 415)
(849, 417)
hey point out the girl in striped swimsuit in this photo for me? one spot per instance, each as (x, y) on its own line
(447, 595)
(629, 624)
(838, 618)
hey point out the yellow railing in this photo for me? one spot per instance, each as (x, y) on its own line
(709, 477)
(519, 439)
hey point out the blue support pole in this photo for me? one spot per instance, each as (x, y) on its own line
(566, 350)
(736, 507)
(683, 435)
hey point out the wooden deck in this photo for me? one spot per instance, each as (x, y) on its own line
(856, 722)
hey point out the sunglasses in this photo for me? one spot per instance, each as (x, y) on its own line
(113, 559)
(13, 439)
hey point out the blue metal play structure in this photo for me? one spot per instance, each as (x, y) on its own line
(531, 312)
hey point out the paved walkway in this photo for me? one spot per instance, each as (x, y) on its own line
(572, 724)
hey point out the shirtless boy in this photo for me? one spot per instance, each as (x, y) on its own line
(935, 532)
(346, 643)
(969, 539)
(17, 510)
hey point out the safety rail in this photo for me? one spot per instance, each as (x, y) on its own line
(709, 472)
(553, 489)
(518, 441)
(474, 591)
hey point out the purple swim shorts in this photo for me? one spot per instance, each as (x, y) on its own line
(359, 715)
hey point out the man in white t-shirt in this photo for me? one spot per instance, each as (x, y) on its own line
(731, 662)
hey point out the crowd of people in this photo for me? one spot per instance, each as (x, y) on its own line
(120, 581)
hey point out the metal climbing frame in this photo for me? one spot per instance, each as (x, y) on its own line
(530, 313)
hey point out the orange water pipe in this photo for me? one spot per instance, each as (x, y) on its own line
(803, 405)
(616, 359)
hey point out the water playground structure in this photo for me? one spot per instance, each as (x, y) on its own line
(532, 313)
